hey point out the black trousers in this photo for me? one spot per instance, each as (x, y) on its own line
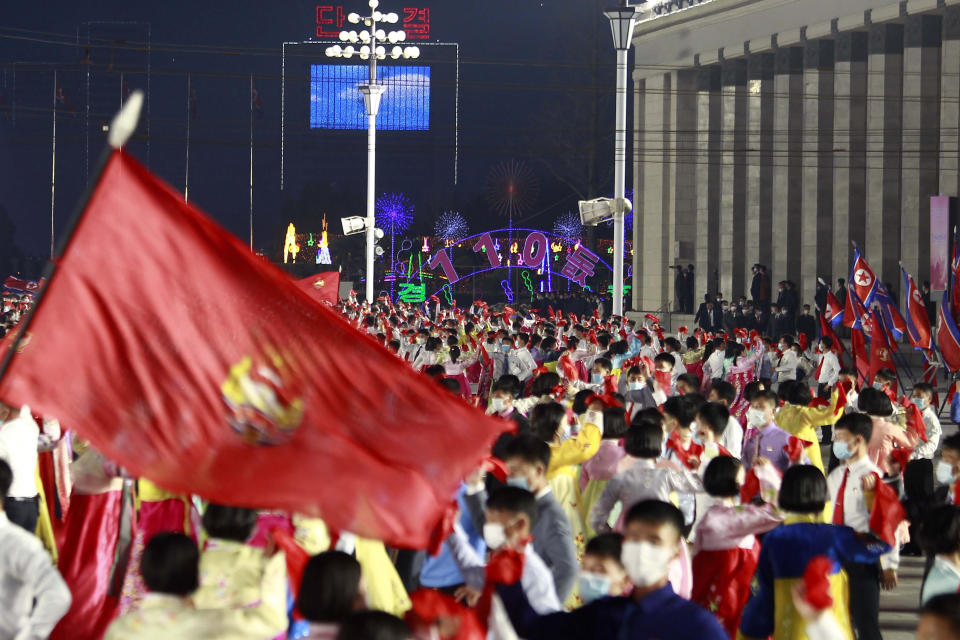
(864, 600)
(23, 512)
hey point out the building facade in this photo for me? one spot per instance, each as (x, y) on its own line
(778, 131)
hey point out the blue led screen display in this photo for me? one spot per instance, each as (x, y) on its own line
(335, 102)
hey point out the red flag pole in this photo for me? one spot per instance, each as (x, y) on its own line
(122, 127)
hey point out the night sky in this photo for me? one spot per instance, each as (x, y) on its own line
(536, 85)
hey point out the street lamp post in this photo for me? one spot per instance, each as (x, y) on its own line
(372, 49)
(622, 21)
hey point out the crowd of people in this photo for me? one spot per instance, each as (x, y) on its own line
(646, 486)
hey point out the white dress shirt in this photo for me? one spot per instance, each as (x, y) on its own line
(830, 369)
(33, 596)
(855, 512)
(934, 431)
(713, 368)
(787, 368)
(732, 438)
(19, 439)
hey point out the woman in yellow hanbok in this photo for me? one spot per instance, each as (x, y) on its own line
(800, 420)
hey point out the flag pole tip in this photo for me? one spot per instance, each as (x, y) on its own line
(125, 122)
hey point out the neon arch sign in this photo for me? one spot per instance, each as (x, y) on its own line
(531, 252)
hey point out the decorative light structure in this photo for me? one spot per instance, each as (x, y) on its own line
(290, 246)
(394, 213)
(568, 227)
(373, 43)
(451, 227)
(323, 252)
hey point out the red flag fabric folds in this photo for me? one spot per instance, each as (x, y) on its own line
(948, 336)
(323, 287)
(918, 324)
(187, 360)
(887, 512)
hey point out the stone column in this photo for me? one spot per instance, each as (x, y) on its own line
(921, 141)
(787, 175)
(708, 179)
(733, 177)
(759, 230)
(950, 103)
(684, 170)
(655, 222)
(850, 139)
(816, 234)
(884, 148)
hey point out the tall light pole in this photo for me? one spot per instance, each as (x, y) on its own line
(372, 49)
(622, 21)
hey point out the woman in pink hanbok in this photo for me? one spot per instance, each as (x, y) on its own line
(740, 370)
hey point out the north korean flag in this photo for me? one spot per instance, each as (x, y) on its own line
(948, 336)
(896, 326)
(863, 278)
(834, 311)
(855, 310)
(918, 324)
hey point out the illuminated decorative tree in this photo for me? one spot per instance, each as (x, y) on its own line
(451, 226)
(568, 227)
(323, 253)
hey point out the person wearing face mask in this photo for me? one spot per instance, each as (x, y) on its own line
(520, 362)
(885, 434)
(599, 371)
(527, 459)
(708, 428)
(828, 366)
(726, 394)
(638, 390)
(947, 470)
(848, 489)
(331, 590)
(726, 548)
(922, 397)
(508, 516)
(601, 571)
(787, 550)
(940, 538)
(764, 438)
(788, 362)
(807, 323)
(652, 539)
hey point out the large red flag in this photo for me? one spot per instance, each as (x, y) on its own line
(858, 345)
(918, 324)
(948, 335)
(863, 278)
(827, 330)
(834, 310)
(880, 351)
(324, 286)
(186, 359)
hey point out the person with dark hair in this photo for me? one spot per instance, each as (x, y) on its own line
(500, 404)
(596, 472)
(799, 419)
(643, 480)
(330, 592)
(681, 449)
(435, 372)
(687, 383)
(948, 468)
(940, 538)
(171, 572)
(374, 625)
(765, 439)
(33, 595)
(828, 366)
(509, 515)
(851, 496)
(601, 570)
(726, 548)
(787, 550)
(712, 419)
(638, 390)
(527, 459)
(652, 542)
(940, 618)
(886, 435)
(726, 394)
(922, 397)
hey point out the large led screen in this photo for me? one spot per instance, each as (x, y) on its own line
(335, 102)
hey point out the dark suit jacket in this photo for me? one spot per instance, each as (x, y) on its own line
(552, 538)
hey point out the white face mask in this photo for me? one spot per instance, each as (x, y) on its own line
(756, 418)
(594, 418)
(497, 405)
(945, 473)
(494, 535)
(646, 564)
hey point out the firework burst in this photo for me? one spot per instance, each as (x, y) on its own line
(512, 188)
(451, 226)
(394, 212)
(568, 227)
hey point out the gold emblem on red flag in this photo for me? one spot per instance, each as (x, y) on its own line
(264, 407)
(319, 284)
